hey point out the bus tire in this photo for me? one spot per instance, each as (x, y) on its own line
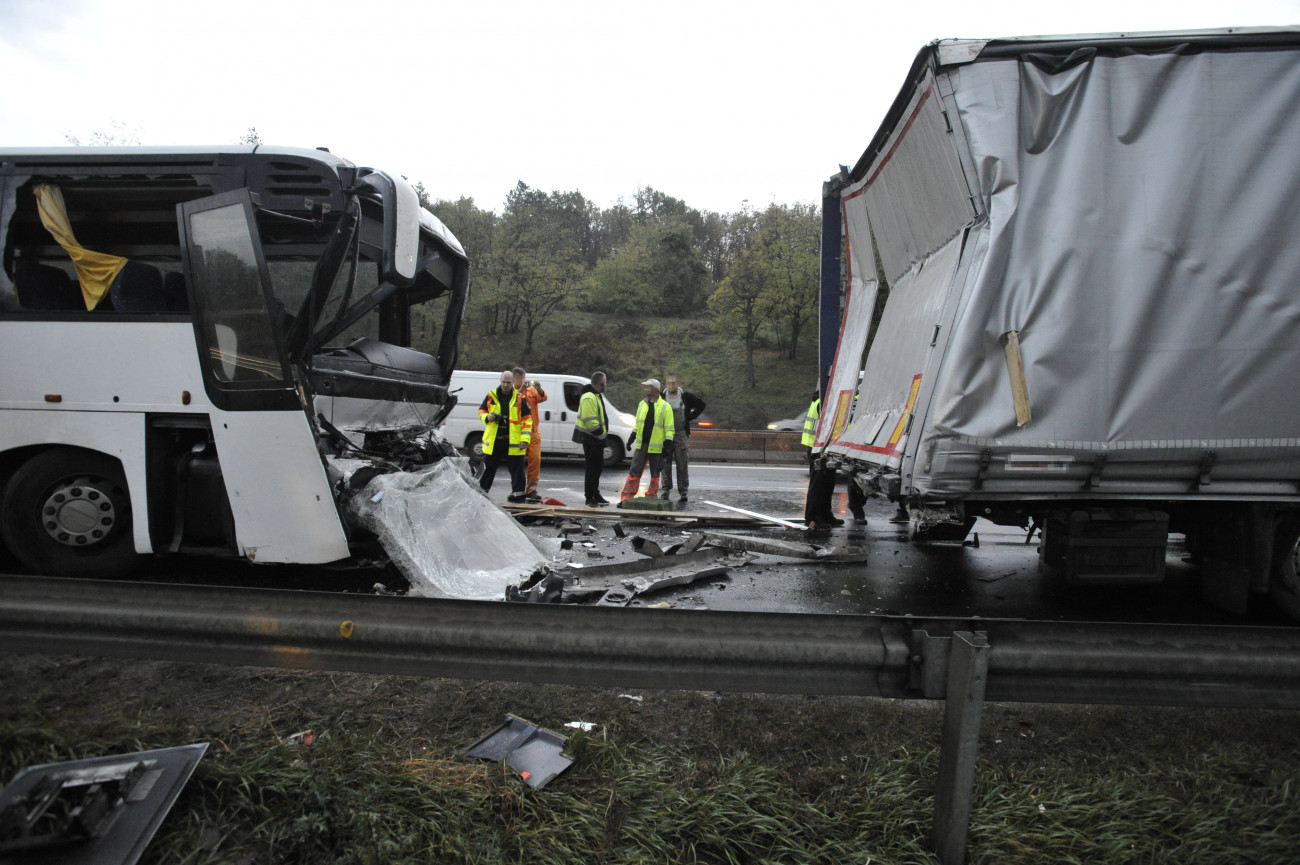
(67, 513)
(613, 451)
(1284, 581)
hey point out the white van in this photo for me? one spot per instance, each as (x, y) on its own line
(556, 416)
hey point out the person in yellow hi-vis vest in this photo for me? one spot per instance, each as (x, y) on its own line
(508, 430)
(810, 428)
(654, 429)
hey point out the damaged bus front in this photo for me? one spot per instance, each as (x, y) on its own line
(207, 351)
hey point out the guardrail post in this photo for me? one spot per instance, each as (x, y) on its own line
(968, 665)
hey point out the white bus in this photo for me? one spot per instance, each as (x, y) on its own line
(201, 346)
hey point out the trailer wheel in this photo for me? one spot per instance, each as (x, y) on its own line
(613, 451)
(67, 513)
(1284, 582)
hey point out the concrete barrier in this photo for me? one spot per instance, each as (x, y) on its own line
(750, 446)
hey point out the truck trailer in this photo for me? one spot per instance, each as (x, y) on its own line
(1082, 260)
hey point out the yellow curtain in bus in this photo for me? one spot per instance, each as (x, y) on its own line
(95, 270)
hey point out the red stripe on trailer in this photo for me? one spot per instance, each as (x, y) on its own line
(925, 97)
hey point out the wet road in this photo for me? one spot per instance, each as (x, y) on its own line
(999, 578)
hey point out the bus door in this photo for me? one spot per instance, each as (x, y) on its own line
(273, 472)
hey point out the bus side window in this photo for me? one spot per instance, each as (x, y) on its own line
(45, 287)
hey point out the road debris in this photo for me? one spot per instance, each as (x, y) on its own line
(758, 516)
(445, 534)
(794, 549)
(532, 752)
(104, 810)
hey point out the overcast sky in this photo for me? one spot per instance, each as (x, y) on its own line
(715, 103)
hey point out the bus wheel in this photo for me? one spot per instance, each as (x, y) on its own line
(1284, 582)
(66, 513)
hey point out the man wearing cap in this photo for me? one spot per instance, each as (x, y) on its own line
(653, 430)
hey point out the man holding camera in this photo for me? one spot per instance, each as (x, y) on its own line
(508, 423)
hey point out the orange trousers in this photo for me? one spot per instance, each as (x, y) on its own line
(534, 454)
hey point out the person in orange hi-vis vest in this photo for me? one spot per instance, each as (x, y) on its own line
(533, 393)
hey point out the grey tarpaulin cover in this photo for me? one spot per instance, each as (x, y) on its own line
(1128, 208)
(445, 534)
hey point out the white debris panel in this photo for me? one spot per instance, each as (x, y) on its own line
(444, 533)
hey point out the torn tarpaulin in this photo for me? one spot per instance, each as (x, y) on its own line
(445, 534)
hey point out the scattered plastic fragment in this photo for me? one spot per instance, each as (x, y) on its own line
(104, 810)
(535, 753)
(584, 726)
(305, 737)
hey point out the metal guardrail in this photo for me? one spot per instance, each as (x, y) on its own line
(763, 446)
(880, 656)
(962, 661)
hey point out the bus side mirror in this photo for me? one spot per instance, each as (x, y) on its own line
(401, 229)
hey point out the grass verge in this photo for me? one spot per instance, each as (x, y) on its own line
(672, 777)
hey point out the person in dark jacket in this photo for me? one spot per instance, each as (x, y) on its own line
(686, 407)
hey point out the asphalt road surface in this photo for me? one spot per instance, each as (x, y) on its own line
(999, 578)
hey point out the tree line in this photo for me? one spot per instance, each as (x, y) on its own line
(548, 257)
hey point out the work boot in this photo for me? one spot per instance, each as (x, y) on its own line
(597, 503)
(533, 498)
(859, 516)
(682, 497)
(515, 498)
(601, 499)
(663, 493)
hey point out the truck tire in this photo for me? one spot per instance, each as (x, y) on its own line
(613, 451)
(67, 513)
(1284, 582)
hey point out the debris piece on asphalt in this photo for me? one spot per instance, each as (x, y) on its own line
(681, 574)
(691, 544)
(647, 547)
(757, 516)
(534, 753)
(615, 598)
(646, 504)
(793, 549)
(618, 530)
(547, 590)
